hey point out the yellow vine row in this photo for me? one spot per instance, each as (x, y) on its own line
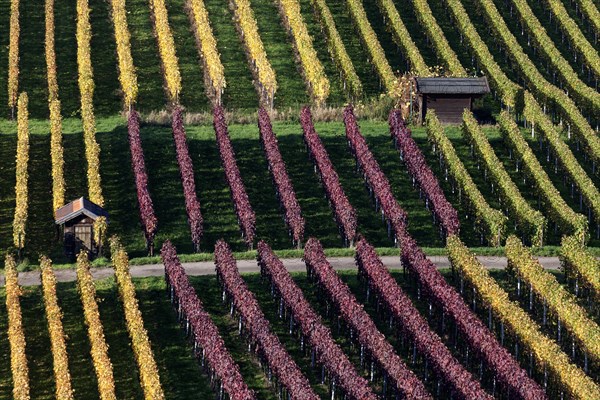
(536, 81)
(402, 37)
(22, 176)
(436, 35)
(546, 351)
(214, 72)
(16, 336)
(50, 52)
(574, 33)
(166, 49)
(260, 66)
(13, 54)
(559, 300)
(581, 91)
(577, 261)
(530, 221)
(558, 210)
(511, 92)
(337, 49)
(314, 73)
(491, 222)
(534, 114)
(62, 377)
(56, 155)
(588, 8)
(84, 60)
(373, 47)
(99, 348)
(127, 74)
(140, 343)
(56, 149)
(86, 90)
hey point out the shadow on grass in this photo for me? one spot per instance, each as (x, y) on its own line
(209, 292)
(127, 383)
(83, 376)
(118, 187)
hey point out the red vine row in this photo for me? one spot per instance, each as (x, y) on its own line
(208, 345)
(186, 170)
(283, 186)
(147, 217)
(479, 338)
(345, 214)
(252, 318)
(422, 174)
(369, 337)
(375, 178)
(241, 204)
(327, 352)
(412, 324)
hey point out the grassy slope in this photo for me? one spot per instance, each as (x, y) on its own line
(107, 99)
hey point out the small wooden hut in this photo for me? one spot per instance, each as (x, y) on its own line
(76, 223)
(449, 96)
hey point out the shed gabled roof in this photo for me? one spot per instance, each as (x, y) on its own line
(77, 208)
(474, 86)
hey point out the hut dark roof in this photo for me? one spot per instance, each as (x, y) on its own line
(77, 208)
(468, 86)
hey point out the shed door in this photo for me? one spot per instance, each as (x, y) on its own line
(83, 237)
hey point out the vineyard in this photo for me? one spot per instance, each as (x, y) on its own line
(282, 138)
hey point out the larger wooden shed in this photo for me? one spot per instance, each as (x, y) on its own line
(449, 96)
(76, 221)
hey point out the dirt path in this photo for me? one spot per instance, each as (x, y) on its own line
(293, 264)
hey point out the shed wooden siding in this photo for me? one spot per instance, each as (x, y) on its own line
(449, 109)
